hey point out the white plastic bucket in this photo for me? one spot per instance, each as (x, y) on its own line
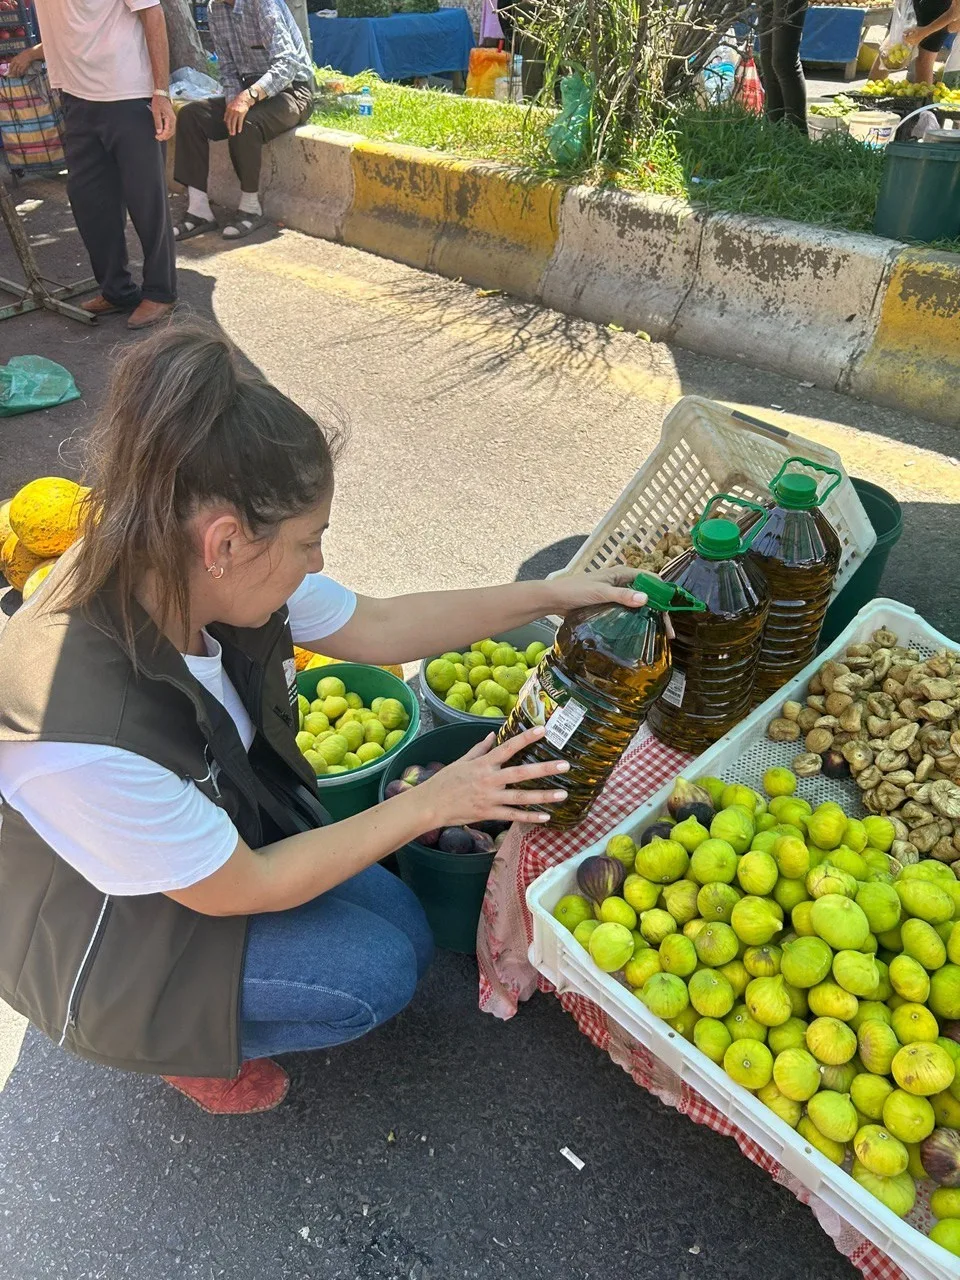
(874, 128)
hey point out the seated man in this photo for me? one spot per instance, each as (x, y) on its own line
(267, 79)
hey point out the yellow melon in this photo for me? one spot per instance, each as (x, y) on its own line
(5, 530)
(17, 562)
(36, 578)
(46, 514)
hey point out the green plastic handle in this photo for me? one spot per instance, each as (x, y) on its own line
(814, 466)
(746, 541)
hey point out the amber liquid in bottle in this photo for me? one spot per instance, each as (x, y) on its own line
(592, 690)
(715, 654)
(798, 554)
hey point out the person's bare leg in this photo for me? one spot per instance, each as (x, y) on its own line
(924, 66)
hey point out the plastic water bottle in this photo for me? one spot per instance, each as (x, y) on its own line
(366, 102)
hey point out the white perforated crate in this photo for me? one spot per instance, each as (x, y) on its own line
(705, 449)
(742, 756)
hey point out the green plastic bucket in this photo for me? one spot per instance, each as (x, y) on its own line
(450, 886)
(345, 794)
(919, 192)
(886, 516)
(519, 637)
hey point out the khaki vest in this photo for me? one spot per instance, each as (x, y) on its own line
(140, 983)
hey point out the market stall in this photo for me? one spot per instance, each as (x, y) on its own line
(403, 46)
(822, 804)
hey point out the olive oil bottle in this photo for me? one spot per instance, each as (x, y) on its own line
(797, 552)
(715, 653)
(593, 688)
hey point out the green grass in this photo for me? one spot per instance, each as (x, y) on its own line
(472, 128)
(722, 158)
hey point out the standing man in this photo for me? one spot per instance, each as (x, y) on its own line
(110, 61)
(267, 78)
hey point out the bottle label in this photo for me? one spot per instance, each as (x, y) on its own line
(541, 707)
(673, 693)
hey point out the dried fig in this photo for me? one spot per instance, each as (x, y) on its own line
(893, 689)
(882, 662)
(909, 709)
(837, 702)
(819, 741)
(899, 777)
(868, 778)
(807, 718)
(916, 813)
(816, 685)
(781, 730)
(886, 639)
(807, 765)
(868, 681)
(818, 703)
(933, 688)
(830, 672)
(878, 728)
(889, 796)
(857, 755)
(887, 761)
(899, 827)
(915, 752)
(900, 671)
(860, 651)
(851, 719)
(870, 801)
(943, 850)
(924, 768)
(941, 664)
(828, 722)
(791, 710)
(881, 705)
(925, 837)
(936, 710)
(902, 737)
(905, 852)
(849, 683)
(945, 798)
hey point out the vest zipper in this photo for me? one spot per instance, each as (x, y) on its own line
(83, 971)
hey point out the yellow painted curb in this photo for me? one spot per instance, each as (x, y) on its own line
(478, 222)
(913, 361)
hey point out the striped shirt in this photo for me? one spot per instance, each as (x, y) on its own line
(258, 43)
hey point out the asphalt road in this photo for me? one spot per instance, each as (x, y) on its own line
(487, 437)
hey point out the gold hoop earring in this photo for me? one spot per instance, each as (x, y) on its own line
(215, 571)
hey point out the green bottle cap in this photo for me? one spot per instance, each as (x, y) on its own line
(717, 539)
(667, 596)
(796, 492)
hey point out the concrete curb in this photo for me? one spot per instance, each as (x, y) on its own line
(849, 312)
(797, 299)
(913, 359)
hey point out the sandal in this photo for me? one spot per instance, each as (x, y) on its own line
(190, 226)
(244, 224)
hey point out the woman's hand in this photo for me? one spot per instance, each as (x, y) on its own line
(481, 787)
(606, 586)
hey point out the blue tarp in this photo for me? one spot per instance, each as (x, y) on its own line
(396, 48)
(831, 34)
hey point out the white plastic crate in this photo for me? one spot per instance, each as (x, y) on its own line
(705, 449)
(742, 756)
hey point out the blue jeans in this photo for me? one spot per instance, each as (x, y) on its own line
(333, 969)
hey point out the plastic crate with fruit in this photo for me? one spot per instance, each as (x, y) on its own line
(705, 449)
(743, 756)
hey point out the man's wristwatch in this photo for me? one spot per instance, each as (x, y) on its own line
(255, 92)
(161, 93)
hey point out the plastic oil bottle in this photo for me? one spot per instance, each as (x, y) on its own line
(592, 690)
(798, 553)
(715, 653)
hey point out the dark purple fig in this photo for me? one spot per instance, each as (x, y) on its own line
(455, 840)
(834, 765)
(434, 767)
(414, 774)
(429, 838)
(659, 829)
(396, 788)
(482, 842)
(683, 795)
(951, 1030)
(492, 826)
(704, 813)
(940, 1156)
(600, 877)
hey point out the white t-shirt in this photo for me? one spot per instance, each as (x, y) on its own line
(127, 824)
(96, 49)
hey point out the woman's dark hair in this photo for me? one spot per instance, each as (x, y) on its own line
(185, 425)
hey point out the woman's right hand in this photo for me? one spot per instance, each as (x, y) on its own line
(483, 785)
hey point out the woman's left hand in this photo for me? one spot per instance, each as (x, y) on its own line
(912, 36)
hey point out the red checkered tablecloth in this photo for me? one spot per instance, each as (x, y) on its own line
(507, 977)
